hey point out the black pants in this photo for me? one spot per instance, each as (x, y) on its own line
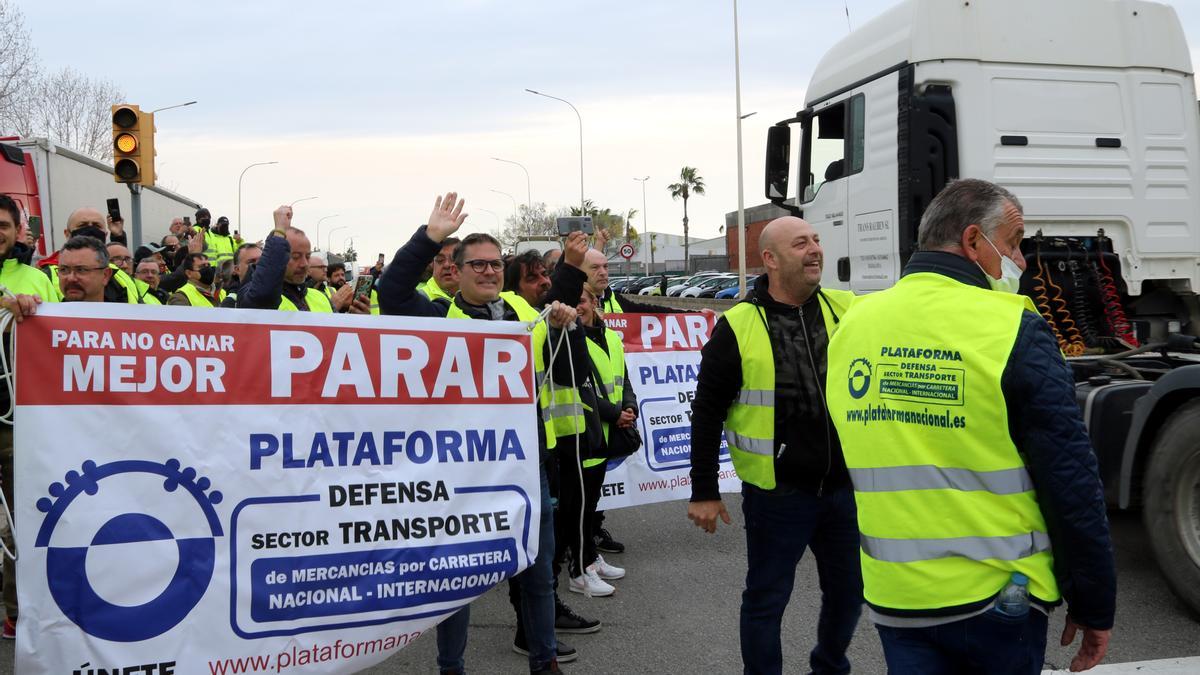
(574, 522)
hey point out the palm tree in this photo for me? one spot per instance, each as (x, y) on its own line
(690, 183)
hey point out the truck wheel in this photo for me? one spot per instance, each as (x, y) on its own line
(1171, 511)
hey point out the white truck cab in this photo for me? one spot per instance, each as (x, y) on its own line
(1087, 111)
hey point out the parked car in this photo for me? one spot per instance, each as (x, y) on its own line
(712, 282)
(634, 285)
(711, 291)
(687, 282)
(732, 293)
(656, 289)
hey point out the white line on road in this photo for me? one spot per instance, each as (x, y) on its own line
(1184, 666)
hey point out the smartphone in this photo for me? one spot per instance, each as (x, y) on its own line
(569, 224)
(187, 220)
(362, 287)
(114, 209)
(381, 258)
(35, 227)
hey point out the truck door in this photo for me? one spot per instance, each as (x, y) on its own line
(871, 192)
(823, 173)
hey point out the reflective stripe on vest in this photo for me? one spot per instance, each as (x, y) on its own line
(316, 301)
(750, 425)
(946, 506)
(527, 313)
(607, 364)
(197, 299)
(930, 477)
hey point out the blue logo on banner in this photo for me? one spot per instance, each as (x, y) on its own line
(66, 566)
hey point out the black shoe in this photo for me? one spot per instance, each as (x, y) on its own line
(567, 621)
(565, 654)
(550, 669)
(606, 544)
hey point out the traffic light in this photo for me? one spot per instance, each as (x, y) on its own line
(133, 145)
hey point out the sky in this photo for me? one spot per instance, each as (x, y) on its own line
(376, 107)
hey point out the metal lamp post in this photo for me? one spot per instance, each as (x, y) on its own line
(582, 202)
(645, 229)
(318, 233)
(240, 177)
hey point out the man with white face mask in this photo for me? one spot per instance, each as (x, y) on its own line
(980, 506)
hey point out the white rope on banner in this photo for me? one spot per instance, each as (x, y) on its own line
(7, 379)
(562, 339)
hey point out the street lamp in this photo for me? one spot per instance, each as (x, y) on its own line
(528, 192)
(243, 174)
(319, 221)
(170, 107)
(514, 200)
(494, 215)
(741, 233)
(302, 199)
(582, 207)
(645, 229)
(329, 239)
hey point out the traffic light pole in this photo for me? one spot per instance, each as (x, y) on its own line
(135, 217)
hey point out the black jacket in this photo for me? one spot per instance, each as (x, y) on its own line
(808, 455)
(1047, 428)
(264, 286)
(397, 289)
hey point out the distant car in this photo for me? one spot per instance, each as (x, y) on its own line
(732, 293)
(713, 282)
(632, 286)
(687, 282)
(656, 288)
(711, 291)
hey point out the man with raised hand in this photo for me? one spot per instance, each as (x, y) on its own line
(278, 280)
(479, 297)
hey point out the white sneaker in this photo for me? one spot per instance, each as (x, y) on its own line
(606, 571)
(590, 585)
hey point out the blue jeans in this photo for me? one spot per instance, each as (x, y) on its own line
(452, 641)
(780, 525)
(537, 603)
(990, 644)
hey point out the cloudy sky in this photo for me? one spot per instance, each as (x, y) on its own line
(375, 107)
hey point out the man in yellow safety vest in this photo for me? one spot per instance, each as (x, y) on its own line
(979, 500)
(762, 375)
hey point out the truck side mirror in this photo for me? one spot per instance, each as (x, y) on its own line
(779, 147)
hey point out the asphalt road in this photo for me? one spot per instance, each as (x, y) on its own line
(677, 610)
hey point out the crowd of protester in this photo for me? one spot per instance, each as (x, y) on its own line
(434, 275)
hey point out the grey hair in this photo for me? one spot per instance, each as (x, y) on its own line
(968, 201)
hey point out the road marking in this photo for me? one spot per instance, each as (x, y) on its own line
(1184, 666)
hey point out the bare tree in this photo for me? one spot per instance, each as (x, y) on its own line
(18, 65)
(74, 110)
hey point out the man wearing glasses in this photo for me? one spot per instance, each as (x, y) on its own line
(83, 270)
(481, 271)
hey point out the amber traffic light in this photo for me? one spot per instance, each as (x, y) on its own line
(133, 145)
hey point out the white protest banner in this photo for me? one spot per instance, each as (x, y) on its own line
(662, 355)
(205, 491)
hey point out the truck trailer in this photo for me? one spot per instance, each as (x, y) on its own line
(50, 181)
